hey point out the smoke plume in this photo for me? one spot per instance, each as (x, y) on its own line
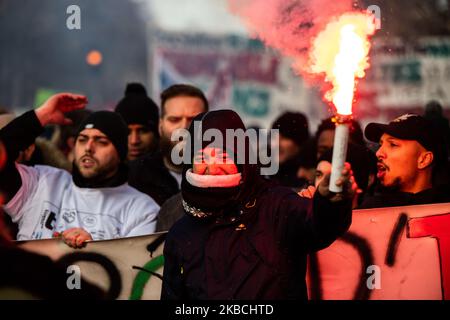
(288, 25)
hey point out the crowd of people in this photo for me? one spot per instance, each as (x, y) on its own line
(404, 162)
(70, 173)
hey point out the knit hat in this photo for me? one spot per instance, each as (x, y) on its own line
(214, 199)
(137, 108)
(293, 125)
(112, 125)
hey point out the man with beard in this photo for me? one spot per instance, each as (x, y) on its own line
(410, 157)
(95, 203)
(242, 237)
(156, 174)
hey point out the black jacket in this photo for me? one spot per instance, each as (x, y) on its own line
(171, 211)
(395, 199)
(257, 252)
(149, 175)
(16, 136)
(287, 175)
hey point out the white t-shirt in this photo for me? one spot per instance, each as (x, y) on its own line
(49, 201)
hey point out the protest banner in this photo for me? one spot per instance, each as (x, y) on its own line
(388, 253)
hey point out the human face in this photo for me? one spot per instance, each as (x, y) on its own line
(213, 161)
(399, 162)
(141, 140)
(308, 174)
(288, 149)
(178, 114)
(323, 168)
(95, 155)
(325, 142)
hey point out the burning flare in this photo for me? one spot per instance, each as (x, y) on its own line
(340, 53)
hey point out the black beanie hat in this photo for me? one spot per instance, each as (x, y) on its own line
(112, 125)
(137, 108)
(293, 125)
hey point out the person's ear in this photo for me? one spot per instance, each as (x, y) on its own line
(425, 160)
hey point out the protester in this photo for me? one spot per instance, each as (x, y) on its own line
(325, 135)
(40, 152)
(95, 202)
(47, 279)
(364, 167)
(411, 154)
(242, 237)
(67, 135)
(142, 116)
(293, 133)
(156, 174)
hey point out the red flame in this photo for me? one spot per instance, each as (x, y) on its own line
(328, 40)
(340, 53)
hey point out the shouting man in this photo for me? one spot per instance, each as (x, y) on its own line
(410, 155)
(94, 203)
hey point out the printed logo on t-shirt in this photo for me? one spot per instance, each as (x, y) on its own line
(89, 221)
(46, 222)
(69, 216)
(50, 222)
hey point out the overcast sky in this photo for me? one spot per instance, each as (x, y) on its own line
(210, 16)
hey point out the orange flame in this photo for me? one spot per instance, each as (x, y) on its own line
(340, 52)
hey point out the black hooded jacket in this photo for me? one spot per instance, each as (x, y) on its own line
(149, 175)
(255, 246)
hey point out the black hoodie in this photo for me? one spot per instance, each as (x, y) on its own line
(219, 199)
(255, 245)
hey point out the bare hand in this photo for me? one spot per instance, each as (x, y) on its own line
(347, 181)
(76, 237)
(52, 111)
(307, 192)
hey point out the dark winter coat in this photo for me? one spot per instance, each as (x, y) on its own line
(171, 211)
(256, 252)
(248, 241)
(149, 175)
(395, 199)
